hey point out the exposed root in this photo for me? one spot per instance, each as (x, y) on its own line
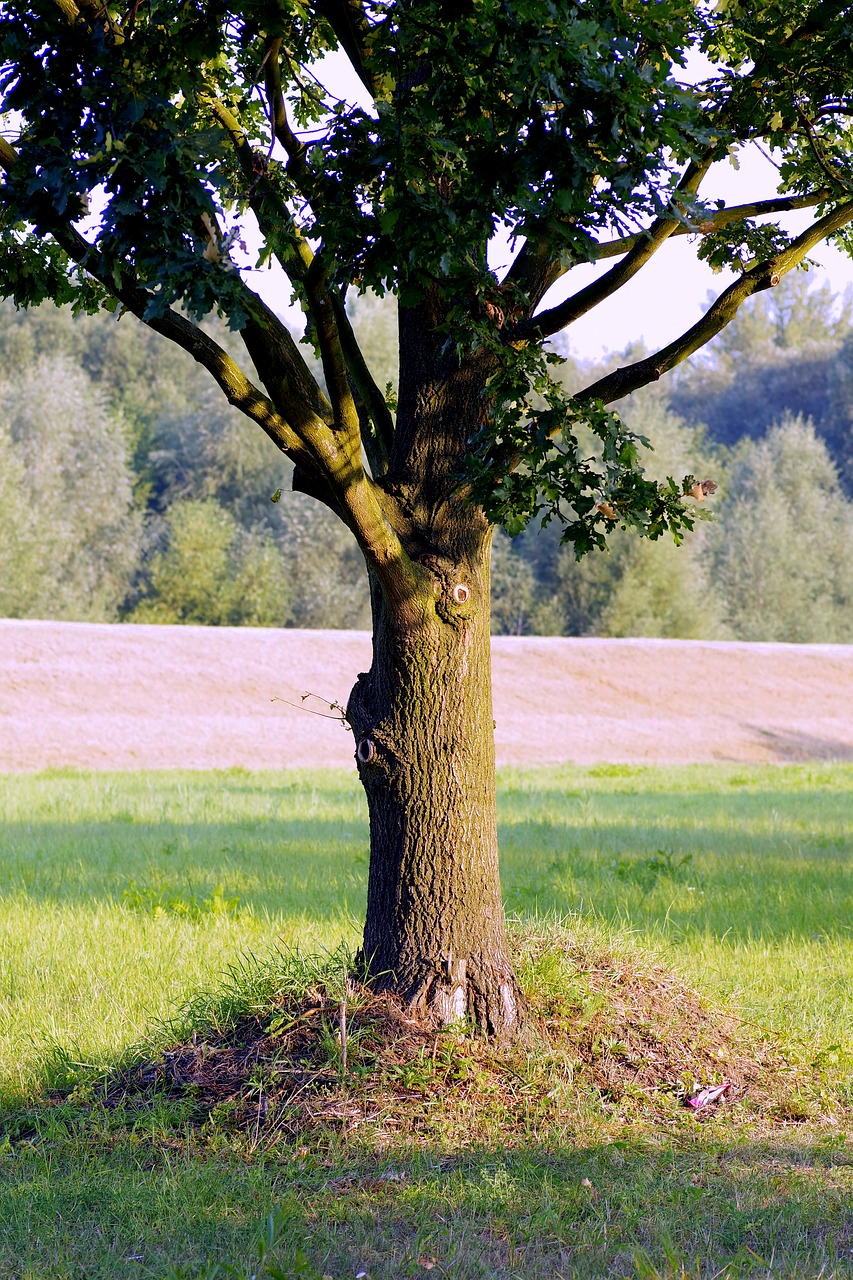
(485, 993)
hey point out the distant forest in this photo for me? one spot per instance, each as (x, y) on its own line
(174, 521)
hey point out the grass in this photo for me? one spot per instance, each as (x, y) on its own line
(123, 897)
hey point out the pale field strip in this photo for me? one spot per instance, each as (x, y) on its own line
(118, 697)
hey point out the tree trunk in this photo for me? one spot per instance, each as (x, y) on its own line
(424, 731)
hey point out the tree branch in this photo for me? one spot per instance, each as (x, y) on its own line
(297, 165)
(91, 12)
(377, 443)
(327, 460)
(711, 220)
(68, 9)
(340, 353)
(826, 166)
(281, 364)
(285, 373)
(288, 244)
(299, 261)
(238, 390)
(639, 250)
(541, 269)
(287, 376)
(536, 268)
(349, 23)
(764, 275)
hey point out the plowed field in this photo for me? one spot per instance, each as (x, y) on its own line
(134, 697)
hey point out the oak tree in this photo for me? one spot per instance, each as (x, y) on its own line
(141, 135)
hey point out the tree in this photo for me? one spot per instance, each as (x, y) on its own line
(69, 538)
(841, 399)
(145, 135)
(784, 352)
(784, 544)
(214, 572)
(513, 587)
(639, 587)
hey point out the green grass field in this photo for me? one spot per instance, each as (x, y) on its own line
(124, 896)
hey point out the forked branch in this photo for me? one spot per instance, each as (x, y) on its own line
(347, 377)
(537, 267)
(328, 461)
(713, 220)
(764, 275)
(640, 248)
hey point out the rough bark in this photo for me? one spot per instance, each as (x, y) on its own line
(423, 722)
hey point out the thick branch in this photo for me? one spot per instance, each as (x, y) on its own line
(764, 275)
(377, 443)
(349, 23)
(297, 165)
(319, 297)
(68, 9)
(536, 268)
(641, 251)
(237, 388)
(302, 263)
(289, 246)
(330, 467)
(92, 12)
(282, 366)
(328, 460)
(339, 349)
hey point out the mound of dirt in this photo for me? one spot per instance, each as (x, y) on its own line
(613, 1032)
(78, 695)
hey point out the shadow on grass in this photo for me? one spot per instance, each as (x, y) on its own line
(118, 1203)
(769, 866)
(301, 867)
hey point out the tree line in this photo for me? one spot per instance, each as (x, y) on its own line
(132, 495)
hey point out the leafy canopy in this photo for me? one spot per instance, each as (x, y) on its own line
(145, 135)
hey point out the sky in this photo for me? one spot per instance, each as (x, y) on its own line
(664, 299)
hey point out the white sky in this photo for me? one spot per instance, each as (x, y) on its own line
(665, 298)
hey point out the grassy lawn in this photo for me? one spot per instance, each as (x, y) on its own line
(124, 896)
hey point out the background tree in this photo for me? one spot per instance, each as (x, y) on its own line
(840, 440)
(784, 547)
(213, 572)
(633, 587)
(513, 589)
(70, 539)
(784, 352)
(142, 133)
